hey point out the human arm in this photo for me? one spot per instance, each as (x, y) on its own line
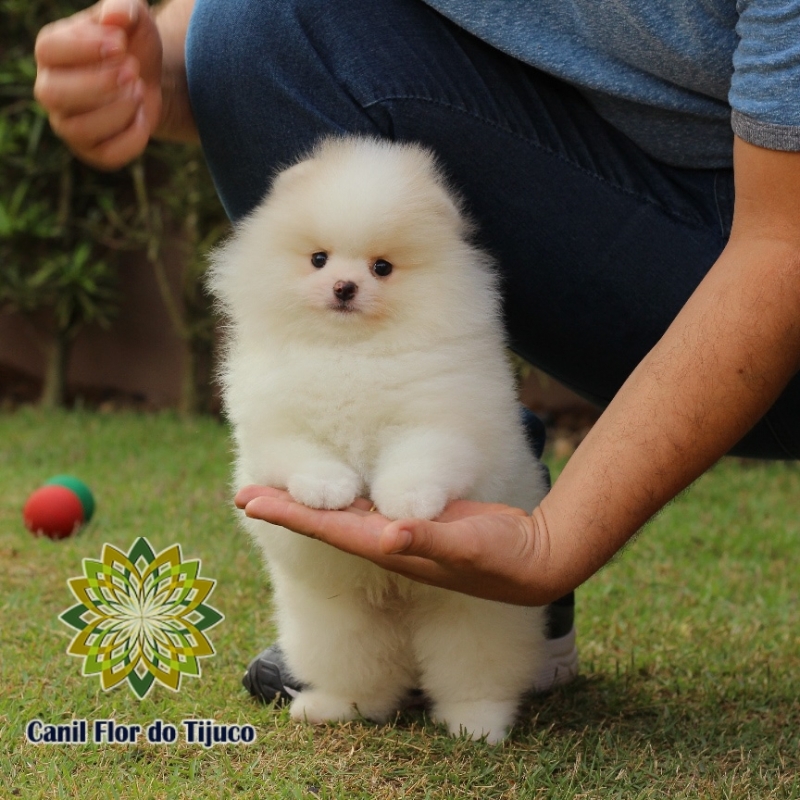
(113, 75)
(714, 373)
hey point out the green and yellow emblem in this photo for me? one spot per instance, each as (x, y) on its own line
(141, 617)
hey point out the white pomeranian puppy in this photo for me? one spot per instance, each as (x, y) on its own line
(366, 357)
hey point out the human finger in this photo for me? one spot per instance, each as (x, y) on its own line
(120, 149)
(247, 493)
(489, 543)
(87, 130)
(80, 89)
(89, 36)
(78, 40)
(438, 540)
(124, 14)
(455, 509)
(355, 531)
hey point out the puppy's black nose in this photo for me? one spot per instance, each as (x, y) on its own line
(345, 290)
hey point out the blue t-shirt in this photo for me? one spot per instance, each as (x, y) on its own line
(676, 76)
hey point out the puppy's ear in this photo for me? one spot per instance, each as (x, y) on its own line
(450, 205)
(292, 175)
(450, 209)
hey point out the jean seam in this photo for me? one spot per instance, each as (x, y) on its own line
(538, 145)
(718, 201)
(716, 204)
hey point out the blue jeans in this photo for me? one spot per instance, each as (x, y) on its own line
(599, 245)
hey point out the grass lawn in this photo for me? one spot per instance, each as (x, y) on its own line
(690, 647)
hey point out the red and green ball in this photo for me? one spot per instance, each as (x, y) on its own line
(57, 509)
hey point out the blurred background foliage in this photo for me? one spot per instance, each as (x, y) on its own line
(65, 228)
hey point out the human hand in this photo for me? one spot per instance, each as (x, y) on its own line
(486, 550)
(99, 79)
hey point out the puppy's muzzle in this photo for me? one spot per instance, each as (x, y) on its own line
(345, 291)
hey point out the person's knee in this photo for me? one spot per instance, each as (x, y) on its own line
(269, 79)
(229, 40)
(254, 79)
(360, 45)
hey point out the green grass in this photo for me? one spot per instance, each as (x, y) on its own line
(690, 647)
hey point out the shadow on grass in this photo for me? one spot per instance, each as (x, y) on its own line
(704, 725)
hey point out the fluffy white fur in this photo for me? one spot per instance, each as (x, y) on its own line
(404, 395)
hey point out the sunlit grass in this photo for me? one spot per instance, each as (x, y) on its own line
(690, 646)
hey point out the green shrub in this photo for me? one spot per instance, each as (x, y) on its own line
(64, 226)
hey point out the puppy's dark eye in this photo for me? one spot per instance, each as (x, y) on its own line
(382, 268)
(319, 259)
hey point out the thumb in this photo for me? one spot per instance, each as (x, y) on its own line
(418, 537)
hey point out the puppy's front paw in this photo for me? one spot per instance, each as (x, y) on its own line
(325, 485)
(401, 502)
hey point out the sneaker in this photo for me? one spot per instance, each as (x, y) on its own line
(560, 664)
(268, 677)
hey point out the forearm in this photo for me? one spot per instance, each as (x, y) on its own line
(177, 122)
(715, 372)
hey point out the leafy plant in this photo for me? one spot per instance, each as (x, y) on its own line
(64, 226)
(52, 269)
(197, 223)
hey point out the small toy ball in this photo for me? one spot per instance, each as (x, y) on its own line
(58, 508)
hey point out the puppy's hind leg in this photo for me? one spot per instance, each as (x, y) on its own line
(477, 658)
(352, 657)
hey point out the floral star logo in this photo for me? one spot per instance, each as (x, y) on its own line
(141, 617)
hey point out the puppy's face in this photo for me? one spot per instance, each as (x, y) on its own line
(364, 228)
(348, 284)
(360, 237)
